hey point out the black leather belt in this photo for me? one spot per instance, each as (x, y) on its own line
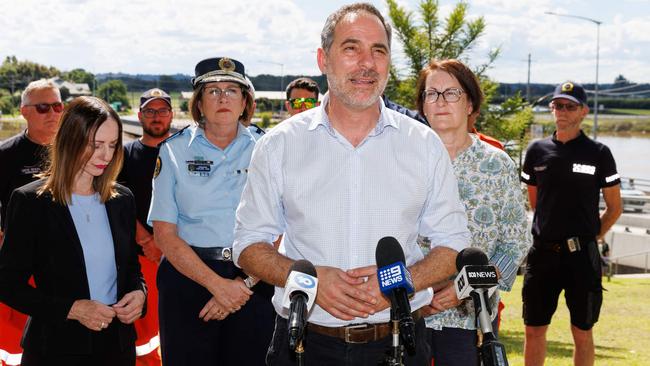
(569, 245)
(214, 253)
(359, 333)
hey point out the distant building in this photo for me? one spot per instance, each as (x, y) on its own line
(70, 90)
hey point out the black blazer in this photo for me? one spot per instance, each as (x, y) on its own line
(41, 240)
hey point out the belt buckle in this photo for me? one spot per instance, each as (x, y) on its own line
(352, 327)
(573, 244)
(226, 254)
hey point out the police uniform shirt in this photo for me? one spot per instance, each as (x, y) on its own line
(137, 174)
(568, 177)
(197, 186)
(20, 160)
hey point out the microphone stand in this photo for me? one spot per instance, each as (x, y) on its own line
(396, 351)
(491, 351)
(300, 353)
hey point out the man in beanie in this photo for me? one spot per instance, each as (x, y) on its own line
(565, 174)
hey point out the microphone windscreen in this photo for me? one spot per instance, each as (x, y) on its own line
(303, 266)
(388, 252)
(471, 256)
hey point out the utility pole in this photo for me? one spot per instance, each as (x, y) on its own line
(528, 82)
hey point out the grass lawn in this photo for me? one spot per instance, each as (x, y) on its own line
(622, 334)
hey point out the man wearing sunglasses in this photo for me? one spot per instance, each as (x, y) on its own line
(140, 156)
(20, 159)
(302, 94)
(565, 174)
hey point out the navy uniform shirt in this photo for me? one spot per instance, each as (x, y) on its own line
(137, 174)
(568, 177)
(197, 185)
(20, 160)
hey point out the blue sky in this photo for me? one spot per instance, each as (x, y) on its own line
(274, 36)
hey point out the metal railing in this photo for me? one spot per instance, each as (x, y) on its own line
(639, 183)
(613, 262)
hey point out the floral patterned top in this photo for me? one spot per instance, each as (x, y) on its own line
(494, 201)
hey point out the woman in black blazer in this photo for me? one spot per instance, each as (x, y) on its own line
(73, 231)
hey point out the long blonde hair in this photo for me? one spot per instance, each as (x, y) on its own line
(71, 150)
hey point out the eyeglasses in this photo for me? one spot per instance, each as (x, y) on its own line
(43, 108)
(229, 93)
(451, 95)
(297, 103)
(151, 113)
(564, 106)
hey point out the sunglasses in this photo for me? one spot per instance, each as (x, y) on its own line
(297, 103)
(43, 108)
(564, 106)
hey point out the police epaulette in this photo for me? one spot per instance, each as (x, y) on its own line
(173, 135)
(258, 129)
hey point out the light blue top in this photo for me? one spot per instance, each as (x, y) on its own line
(334, 201)
(199, 186)
(491, 192)
(94, 231)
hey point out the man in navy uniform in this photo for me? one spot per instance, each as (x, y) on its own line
(565, 174)
(140, 156)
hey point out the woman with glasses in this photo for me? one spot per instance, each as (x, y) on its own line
(209, 311)
(449, 94)
(82, 255)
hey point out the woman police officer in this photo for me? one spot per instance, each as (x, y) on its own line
(208, 314)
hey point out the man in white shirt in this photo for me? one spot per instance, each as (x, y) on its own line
(337, 178)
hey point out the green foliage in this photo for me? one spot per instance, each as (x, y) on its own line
(80, 76)
(15, 75)
(114, 91)
(452, 38)
(185, 106)
(6, 102)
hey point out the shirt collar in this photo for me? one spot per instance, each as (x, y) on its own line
(322, 119)
(581, 136)
(197, 132)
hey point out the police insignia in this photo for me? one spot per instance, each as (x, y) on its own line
(567, 87)
(226, 64)
(156, 171)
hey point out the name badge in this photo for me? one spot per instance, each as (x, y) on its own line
(199, 168)
(584, 169)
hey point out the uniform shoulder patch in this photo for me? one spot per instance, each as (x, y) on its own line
(174, 135)
(156, 170)
(256, 129)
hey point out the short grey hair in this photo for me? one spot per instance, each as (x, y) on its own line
(327, 34)
(41, 84)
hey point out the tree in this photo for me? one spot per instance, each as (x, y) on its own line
(80, 76)
(453, 38)
(114, 91)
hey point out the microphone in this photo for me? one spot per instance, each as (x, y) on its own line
(478, 280)
(395, 283)
(299, 295)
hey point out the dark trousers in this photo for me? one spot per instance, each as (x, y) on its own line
(456, 347)
(322, 350)
(186, 340)
(105, 352)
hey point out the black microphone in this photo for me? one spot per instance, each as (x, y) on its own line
(299, 295)
(395, 283)
(478, 280)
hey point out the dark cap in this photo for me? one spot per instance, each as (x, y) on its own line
(153, 94)
(219, 69)
(571, 91)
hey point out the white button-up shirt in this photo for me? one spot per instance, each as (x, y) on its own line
(334, 201)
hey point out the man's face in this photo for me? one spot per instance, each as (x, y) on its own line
(42, 126)
(297, 93)
(153, 123)
(568, 114)
(357, 64)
